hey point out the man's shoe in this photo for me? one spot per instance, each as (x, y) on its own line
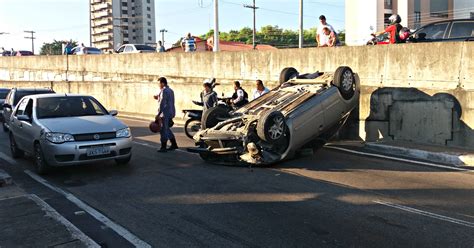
(174, 145)
(163, 147)
(162, 150)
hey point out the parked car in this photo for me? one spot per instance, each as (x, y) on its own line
(85, 50)
(24, 53)
(304, 111)
(136, 48)
(62, 130)
(3, 95)
(453, 30)
(12, 99)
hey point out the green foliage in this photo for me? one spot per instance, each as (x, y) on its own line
(271, 35)
(54, 48)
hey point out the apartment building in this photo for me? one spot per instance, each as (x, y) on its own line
(364, 17)
(117, 22)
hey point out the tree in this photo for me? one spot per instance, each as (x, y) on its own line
(54, 48)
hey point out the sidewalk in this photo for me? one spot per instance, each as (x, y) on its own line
(28, 221)
(455, 157)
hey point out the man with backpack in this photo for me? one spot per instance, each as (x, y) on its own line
(393, 29)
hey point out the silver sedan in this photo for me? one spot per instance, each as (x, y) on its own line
(62, 130)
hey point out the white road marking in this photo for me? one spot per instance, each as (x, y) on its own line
(397, 159)
(427, 214)
(8, 158)
(154, 147)
(73, 230)
(137, 242)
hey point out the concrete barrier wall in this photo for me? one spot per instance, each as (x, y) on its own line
(398, 82)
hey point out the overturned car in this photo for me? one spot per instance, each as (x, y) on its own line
(303, 112)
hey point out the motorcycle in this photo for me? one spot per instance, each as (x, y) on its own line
(193, 124)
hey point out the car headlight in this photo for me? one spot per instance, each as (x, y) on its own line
(59, 138)
(123, 133)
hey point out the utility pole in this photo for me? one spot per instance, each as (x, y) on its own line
(216, 26)
(301, 25)
(32, 37)
(163, 31)
(254, 22)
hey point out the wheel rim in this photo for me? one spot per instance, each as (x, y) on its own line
(194, 127)
(347, 80)
(38, 156)
(277, 129)
(12, 144)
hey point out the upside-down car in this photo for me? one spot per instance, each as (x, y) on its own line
(303, 112)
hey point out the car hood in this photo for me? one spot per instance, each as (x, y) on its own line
(83, 124)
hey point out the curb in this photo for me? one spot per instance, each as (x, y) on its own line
(453, 159)
(5, 178)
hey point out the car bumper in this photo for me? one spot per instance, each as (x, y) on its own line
(75, 153)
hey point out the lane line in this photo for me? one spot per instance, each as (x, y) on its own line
(154, 147)
(8, 159)
(397, 159)
(426, 213)
(137, 242)
(73, 230)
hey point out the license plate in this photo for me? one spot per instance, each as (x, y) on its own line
(97, 151)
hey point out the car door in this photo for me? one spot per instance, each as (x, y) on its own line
(462, 31)
(432, 33)
(28, 129)
(16, 126)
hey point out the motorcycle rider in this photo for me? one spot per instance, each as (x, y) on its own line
(393, 29)
(240, 97)
(208, 96)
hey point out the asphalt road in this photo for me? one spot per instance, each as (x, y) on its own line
(328, 199)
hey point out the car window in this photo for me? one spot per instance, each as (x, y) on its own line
(3, 94)
(68, 106)
(462, 29)
(29, 108)
(92, 50)
(128, 49)
(21, 107)
(120, 50)
(432, 32)
(23, 93)
(144, 48)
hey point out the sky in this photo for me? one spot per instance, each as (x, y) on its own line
(69, 19)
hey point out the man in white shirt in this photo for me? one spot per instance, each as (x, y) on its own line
(260, 90)
(321, 38)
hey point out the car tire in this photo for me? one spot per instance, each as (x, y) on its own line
(344, 80)
(189, 125)
(287, 74)
(123, 161)
(212, 116)
(41, 165)
(272, 127)
(15, 151)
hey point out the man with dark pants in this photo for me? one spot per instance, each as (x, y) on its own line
(167, 112)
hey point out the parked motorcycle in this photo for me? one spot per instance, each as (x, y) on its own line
(193, 124)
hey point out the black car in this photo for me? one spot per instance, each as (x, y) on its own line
(3, 95)
(453, 30)
(12, 99)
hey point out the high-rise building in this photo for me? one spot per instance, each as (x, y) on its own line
(364, 17)
(117, 22)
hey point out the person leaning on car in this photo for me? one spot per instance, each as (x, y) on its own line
(208, 96)
(240, 97)
(167, 111)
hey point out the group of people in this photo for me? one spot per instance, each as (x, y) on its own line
(209, 99)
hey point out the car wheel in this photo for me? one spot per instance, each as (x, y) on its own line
(212, 116)
(287, 74)
(15, 151)
(123, 161)
(191, 127)
(40, 162)
(344, 80)
(272, 127)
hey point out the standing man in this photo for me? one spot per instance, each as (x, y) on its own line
(161, 48)
(167, 111)
(321, 38)
(260, 90)
(188, 43)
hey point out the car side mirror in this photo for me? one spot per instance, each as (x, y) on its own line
(24, 118)
(113, 112)
(6, 105)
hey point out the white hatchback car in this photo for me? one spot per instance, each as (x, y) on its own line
(136, 48)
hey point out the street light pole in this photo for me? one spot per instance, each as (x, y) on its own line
(216, 26)
(301, 25)
(163, 31)
(254, 33)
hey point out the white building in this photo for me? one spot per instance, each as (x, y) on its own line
(117, 22)
(364, 17)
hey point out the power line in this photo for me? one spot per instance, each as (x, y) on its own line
(32, 37)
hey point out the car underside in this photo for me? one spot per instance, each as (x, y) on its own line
(303, 112)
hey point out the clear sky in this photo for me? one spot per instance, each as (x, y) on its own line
(69, 19)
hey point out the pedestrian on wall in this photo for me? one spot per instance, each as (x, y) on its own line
(161, 48)
(166, 111)
(68, 48)
(188, 43)
(260, 89)
(321, 38)
(2, 51)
